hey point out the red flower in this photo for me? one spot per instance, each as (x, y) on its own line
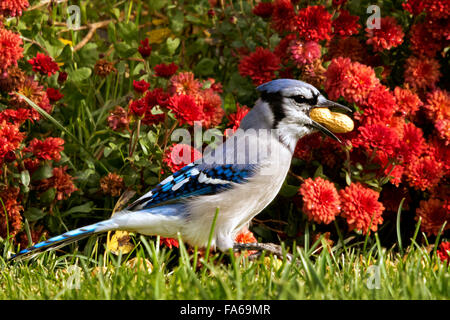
(13, 7)
(313, 23)
(49, 149)
(444, 251)
(320, 200)
(415, 7)
(352, 80)
(33, 91)
(263, 9)
(61, 181)
(17, 116)
(389, 35)
(180, 155)
(283, 16)
(165, 70)
(245, 236)
(407, 101)
(424, 172)
(438, 9)
(145, 49)
(234, 119)
(185, 108)
(118, 119)
(44, 64)
(151, 118)
(345, 25)
(260, 66)
(379, 107)
(437, 105)
(211, 104)
(412, 143)
(304, 52)
(140, 86)
(10, 138)
(54, 94)
(168, 242)
(347, 48)
(10, 48)
(443, 129)
(137, 107)
(379, 137)
(421, 43)
(10, 216)
(282, 49)
(157, 97)
(62, 77)
(422, 73)
(360, 206)
(184, 83)
(434, 214)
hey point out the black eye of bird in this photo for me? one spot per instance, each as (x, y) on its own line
(300, 99)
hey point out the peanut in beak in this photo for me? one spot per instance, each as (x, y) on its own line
(336, 122)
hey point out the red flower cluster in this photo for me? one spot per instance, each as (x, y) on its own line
(61, 181)
(320, 200)
(140, 86)
(180, 155)
(44, 64)
(10, 48)
(389, 35)
(345, 24)
(145, 49)
(191, 102)
(260, 66)
(54, 94)
(263, 9)
(351, 80)
(444, 251)
(313, 23)
(361, 208)
(48, 149)
(165, 70)
(13, 7)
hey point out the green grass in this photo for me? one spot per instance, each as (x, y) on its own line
(338, 274)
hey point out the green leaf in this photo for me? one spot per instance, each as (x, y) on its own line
(177, 21)
(43, 172)
(205, 67)
(124, 50)
(79, 75)
(34, 214)
(25, 178)
(127, 31)
(84, 208)
(48, 196)
(172, 45)
(288, 190)
(156, 5)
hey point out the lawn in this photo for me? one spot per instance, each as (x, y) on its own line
(333, 273)
(94, 94)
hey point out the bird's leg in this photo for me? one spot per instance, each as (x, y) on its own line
(275, 249)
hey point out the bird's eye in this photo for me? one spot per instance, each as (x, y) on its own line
(300, 99)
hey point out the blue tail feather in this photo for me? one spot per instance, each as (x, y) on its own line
(62, 240)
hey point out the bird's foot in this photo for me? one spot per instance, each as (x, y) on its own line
(275, 249)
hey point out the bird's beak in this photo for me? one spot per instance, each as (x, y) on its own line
(325, 103)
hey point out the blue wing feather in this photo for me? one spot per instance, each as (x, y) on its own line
(193, 180)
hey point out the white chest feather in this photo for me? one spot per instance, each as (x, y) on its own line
(238, 205)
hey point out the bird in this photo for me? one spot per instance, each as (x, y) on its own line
(238, 178)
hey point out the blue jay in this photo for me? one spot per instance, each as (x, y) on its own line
(238, 182)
